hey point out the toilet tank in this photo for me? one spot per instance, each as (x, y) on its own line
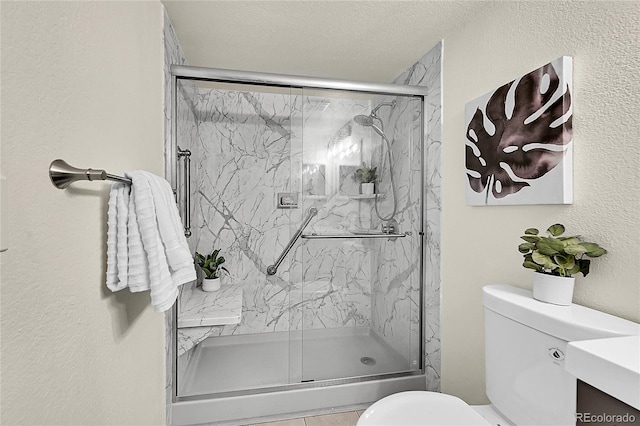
(525, 343)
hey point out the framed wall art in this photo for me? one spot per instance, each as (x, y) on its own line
(519, 140)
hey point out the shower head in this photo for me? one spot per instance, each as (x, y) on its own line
(367, 121)
(363, 120)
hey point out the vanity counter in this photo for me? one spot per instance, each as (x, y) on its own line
(611, 365)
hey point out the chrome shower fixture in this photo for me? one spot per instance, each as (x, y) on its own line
(363, 120)
(367, 120)
(391, 104)
(370, 121)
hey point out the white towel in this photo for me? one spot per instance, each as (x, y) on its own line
(146, 246)
(117, 237)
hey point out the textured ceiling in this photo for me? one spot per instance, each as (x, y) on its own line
(354, 40)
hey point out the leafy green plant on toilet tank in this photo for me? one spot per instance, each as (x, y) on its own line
(556, 259)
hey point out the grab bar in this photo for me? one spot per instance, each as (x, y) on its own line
(272, 269)
(62, 174)
(187, 189)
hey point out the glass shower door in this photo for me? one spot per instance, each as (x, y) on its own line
(357, 291)
(345, 302)
(237, 339)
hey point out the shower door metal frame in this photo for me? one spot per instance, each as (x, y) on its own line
(299, 82)
(294, 81)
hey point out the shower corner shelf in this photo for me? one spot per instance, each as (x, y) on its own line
(366, 197)
(199, 308)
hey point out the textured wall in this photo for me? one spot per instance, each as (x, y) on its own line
(479, 243)
(81, 81)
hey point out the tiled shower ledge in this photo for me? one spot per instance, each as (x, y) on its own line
(199, 308)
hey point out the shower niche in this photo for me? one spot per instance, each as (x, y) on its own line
(345, 305)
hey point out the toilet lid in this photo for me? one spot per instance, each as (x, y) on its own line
(421, 408)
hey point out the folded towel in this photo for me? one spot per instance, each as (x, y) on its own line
(146, 246)
(117, 237)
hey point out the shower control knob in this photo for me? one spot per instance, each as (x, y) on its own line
(390, 227)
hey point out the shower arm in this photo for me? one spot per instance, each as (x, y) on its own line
(272, 269)
(391, 104)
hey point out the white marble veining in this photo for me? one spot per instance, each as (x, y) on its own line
(427, 72)
(396, 280)
(252, 146)
(198, 308)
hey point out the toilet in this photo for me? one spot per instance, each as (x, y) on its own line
(525, 343)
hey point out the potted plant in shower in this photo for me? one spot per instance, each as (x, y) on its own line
(211, 266)
(555, 259)
(367, 176)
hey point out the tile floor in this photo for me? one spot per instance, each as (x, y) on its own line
(349, 418)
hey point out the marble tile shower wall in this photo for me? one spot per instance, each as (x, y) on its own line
(427, 72)
(396, 279)
(250, 148)
(187, 135)
(336, 274)
(396, 284)
(243, 160)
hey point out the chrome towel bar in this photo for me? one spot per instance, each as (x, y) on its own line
(62, 174)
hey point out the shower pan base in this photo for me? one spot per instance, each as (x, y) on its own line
(261, 407)
(223, 367)
(254, 361)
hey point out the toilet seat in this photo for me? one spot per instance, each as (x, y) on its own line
(420, 408)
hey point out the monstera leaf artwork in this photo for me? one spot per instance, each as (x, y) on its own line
(519, 140)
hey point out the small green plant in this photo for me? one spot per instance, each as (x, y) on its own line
(211, 264)
(557, 255)
(365, 174)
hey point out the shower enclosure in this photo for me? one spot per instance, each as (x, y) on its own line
(322, 305)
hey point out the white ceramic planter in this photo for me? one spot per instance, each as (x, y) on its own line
(553, 289)
(211, 284)
(367, 188)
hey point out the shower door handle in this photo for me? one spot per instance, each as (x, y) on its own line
(272, 269)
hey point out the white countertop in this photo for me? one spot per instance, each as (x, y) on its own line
(199, 308)
(611, 365)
